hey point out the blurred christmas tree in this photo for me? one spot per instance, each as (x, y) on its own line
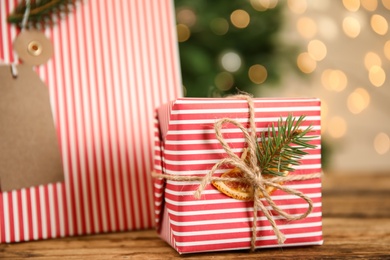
(230, 45)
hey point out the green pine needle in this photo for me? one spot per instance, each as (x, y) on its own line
(42, 12)
(279, 149)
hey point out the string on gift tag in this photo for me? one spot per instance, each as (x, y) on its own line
(26, 15)
(252, 175)
(14, 69)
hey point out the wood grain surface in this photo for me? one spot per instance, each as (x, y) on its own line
(356, 224)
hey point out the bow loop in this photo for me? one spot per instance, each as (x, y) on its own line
(218, 132)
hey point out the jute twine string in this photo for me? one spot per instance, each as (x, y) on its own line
(251, 174)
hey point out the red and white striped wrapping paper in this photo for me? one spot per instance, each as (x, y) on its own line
(185, 144)
(113, 63)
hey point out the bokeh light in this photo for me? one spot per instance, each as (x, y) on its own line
(317, 50)
(183, 32)
(358, 100)
(382, 143)
(327, 27)
(318, 5)
(219, 26)
(231, 61)
(369, 5)
(334, 80)
(306, 27)
(377, 76)
(306, 63)
(351, 26)
(386, 4)
(240, 18)
(386, 49)
(372, 59)
(257, 73)
(186, 16)
(224, 81)
(337, 127)
(263, 5)
(297, 6)
(351, 5)
(379, 24)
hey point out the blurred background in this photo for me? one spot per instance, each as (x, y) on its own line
(338, 51)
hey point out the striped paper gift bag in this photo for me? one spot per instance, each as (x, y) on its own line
(186, 145)
(113, 63)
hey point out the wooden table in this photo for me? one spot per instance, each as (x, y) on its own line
(356, 224)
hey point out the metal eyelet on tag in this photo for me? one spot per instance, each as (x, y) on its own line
(33, 47)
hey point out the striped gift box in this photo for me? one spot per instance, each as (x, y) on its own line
(186, 145)
(113, 63)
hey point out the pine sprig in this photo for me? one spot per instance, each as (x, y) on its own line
(280, 149)
(42, 12)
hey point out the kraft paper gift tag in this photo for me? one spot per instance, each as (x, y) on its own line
(29, 150)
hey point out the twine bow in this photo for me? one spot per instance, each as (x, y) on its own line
(252, 175)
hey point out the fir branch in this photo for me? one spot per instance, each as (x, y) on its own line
(280, 149)
(42, 12)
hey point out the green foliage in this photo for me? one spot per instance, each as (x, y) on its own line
(258, 43)
(281, 148)
(42, 12)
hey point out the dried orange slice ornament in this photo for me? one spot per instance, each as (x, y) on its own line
(240, 190)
